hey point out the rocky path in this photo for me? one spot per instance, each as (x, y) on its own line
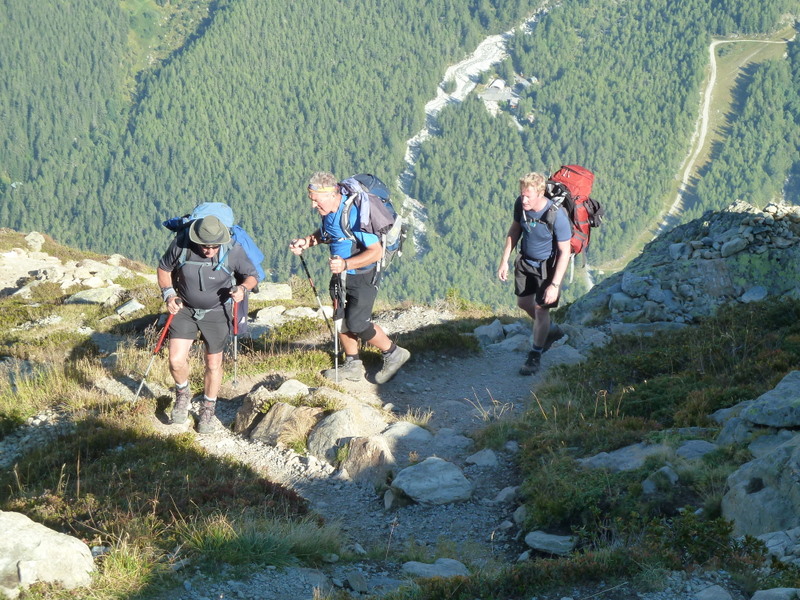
(459, 396)
(462, 394)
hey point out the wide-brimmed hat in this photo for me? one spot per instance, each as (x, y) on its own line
(209, 231)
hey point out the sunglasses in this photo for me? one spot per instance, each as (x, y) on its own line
(209, 246)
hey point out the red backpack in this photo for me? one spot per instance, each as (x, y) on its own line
(570, 187)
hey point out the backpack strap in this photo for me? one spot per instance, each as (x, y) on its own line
(345, 224)
(548, 219)
(220, 263)
(347, 227)
(222, 259)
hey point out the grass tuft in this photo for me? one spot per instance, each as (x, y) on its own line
(249, 539)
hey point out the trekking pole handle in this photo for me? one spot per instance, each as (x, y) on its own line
(344, 263)
(305, 268)
(163, 333)
(235, 318)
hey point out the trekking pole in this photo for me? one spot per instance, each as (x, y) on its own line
(336, 292)
(155, 353)
(319, 302)
(235, 340)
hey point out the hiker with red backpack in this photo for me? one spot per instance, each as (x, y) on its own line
(355, 256)
(541, 263)
(198, 292)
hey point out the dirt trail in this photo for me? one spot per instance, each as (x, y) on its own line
(460, 395)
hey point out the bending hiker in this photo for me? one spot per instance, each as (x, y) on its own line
(199, 295)
(353, 284)
(540, 266)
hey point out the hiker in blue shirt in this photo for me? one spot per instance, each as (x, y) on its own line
(353, 285)
(199, 296)
(540, 266)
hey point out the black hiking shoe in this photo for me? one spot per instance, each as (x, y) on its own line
(392, 363)
(180, 410)
(206, 422)
(553, 336)
(531, 365)
(352, 370)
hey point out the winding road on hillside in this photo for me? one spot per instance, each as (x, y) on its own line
(698, 141)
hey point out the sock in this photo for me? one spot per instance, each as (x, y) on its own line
(182, 386)
(391, 349)
(350, 357)
(207, 399)
(538, 349)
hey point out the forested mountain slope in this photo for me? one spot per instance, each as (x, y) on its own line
(618, 89)
(269, 92)
(264, 93)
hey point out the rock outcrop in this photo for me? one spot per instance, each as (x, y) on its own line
(741, 254)
(763, 495)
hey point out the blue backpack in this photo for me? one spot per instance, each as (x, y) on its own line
(224, 213)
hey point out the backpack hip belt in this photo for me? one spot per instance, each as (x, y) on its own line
(199, 313)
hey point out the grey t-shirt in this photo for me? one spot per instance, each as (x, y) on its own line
(201, 282)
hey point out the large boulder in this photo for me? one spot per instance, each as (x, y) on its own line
(272, 291)
(442, 567)
(107, 296)
(779, 407)
(335, 430)
(550, 543)
(764, 494)
(286, 423)
(32, 553)
(628, 458)
(368, 459)
(252, 410)
(35, 241)
(433, 481)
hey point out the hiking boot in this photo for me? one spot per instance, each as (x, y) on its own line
(180, 410)
(352, 370)
(531, 365)
(206, 422)
(553, 336)
(392, 363)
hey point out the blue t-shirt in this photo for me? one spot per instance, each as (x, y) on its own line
(340, 245)
(537, 241)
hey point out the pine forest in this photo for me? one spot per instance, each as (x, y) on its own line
(118, 115)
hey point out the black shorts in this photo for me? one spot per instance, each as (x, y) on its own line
(530, 279)
(214, 327)
(360, 295)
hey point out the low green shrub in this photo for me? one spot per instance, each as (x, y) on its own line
(560, 494)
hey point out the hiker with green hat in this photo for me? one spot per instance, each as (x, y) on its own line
(540, 265)
(200, 295)
(353, 285)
